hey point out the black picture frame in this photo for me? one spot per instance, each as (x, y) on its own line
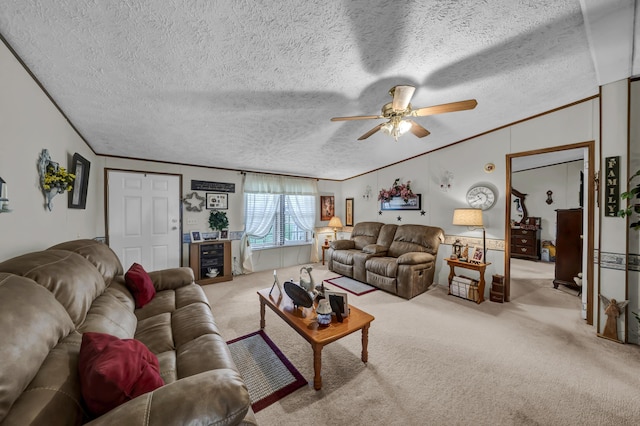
(217, 201)
(396, 203)
(348, 207)
(78, 195)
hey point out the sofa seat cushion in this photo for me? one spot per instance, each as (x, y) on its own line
(343, 256)
(156, 333)
(113, 371)
(205, 353)
(385, 266)
(140, 285)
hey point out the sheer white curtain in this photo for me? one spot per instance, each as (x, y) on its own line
(259, 217)
(302, 210)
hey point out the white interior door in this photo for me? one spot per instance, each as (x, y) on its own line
(143, 219)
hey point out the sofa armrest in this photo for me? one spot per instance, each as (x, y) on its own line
(172, 278)
(342, 244)
(375, 249)
(212, 397)
(415, 258)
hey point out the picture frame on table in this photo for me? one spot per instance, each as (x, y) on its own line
(397, 203)
(348, 217)
(217, 201)
(78, 194)
(224, 234)
(196, 236)
(342, 301)
(327, 207)
(477, 256)
(276, 282)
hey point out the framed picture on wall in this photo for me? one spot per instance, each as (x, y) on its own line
(397, 203)
(348, 203)
(78, 194)
(217, 201)
(327, 207)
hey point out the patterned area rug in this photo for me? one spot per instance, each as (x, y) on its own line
(351, 285)
(268, 374)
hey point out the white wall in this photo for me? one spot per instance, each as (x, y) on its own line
(29, 123)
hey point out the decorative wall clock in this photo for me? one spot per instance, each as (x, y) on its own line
(482, 196)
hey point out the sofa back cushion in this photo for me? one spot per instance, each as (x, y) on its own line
(72, 279)
(387, 232)
(99, 254)
(365, 233)
(31, 325)
(416, 238)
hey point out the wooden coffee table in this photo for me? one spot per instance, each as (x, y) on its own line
(303, 320)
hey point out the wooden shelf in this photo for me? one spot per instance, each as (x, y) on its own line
(211, 254)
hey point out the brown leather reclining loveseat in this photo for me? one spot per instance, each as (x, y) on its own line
(49, 298)
(400, 259)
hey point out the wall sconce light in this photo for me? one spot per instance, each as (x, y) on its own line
(4, 197)
(446, 181)
(367, 193)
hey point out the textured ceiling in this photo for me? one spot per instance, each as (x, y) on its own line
(251, 85)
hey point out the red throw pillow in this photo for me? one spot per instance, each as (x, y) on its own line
(140, 285)
(113, 371)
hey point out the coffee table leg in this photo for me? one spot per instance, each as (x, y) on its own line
(317, 364)
(262, 324)
(365, 343)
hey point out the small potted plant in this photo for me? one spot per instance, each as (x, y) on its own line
(218, 220)
(632, 206)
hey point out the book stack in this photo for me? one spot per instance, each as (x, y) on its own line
(464, 287)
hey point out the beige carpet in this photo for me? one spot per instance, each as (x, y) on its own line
(442, 360)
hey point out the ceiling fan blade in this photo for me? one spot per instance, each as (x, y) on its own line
(370, 132)
(418, 130)
(402, 96)
(440, 109)
(356, 117)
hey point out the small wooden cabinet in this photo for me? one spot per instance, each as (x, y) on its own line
(525, 243)
(211, 254)
(568, 247)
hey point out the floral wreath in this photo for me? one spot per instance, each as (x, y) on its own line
(398, 189)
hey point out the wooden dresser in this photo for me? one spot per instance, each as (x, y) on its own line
(525, 240)
(568, 247)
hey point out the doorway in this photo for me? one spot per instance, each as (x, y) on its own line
(143, 220)
(588, 197)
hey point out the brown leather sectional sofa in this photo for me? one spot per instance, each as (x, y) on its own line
(400, 259)
(49, 298)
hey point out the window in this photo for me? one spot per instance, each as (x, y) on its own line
(279, 219)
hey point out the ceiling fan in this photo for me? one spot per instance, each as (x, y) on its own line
(400, 108)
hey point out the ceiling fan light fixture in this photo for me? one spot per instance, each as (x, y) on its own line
(396, 127)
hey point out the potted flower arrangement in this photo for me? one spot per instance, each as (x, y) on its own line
(398, 189)
(218, 220)
(632, 207)
(57, 179)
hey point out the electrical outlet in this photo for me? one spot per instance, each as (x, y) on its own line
(192, 221)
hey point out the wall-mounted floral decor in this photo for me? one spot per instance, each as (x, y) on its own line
(54, 179)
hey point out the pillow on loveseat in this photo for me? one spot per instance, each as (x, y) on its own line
(140, 285)
(114, 371)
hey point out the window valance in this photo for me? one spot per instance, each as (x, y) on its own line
(255, 183)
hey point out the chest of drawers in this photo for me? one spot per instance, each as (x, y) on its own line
(525, 243)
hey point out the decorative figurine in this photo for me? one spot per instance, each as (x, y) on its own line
(612, 310)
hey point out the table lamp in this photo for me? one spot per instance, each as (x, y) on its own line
(471, 218)
(335, 223)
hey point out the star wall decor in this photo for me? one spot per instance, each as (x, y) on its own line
(422, 213)
(193, 202)
(399, 218)
(380, 212)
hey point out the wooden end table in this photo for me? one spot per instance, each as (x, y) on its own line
(324, 248)
(303, 320)
(480, 267)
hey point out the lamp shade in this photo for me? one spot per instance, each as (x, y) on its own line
(467, 217)
(335, 222)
